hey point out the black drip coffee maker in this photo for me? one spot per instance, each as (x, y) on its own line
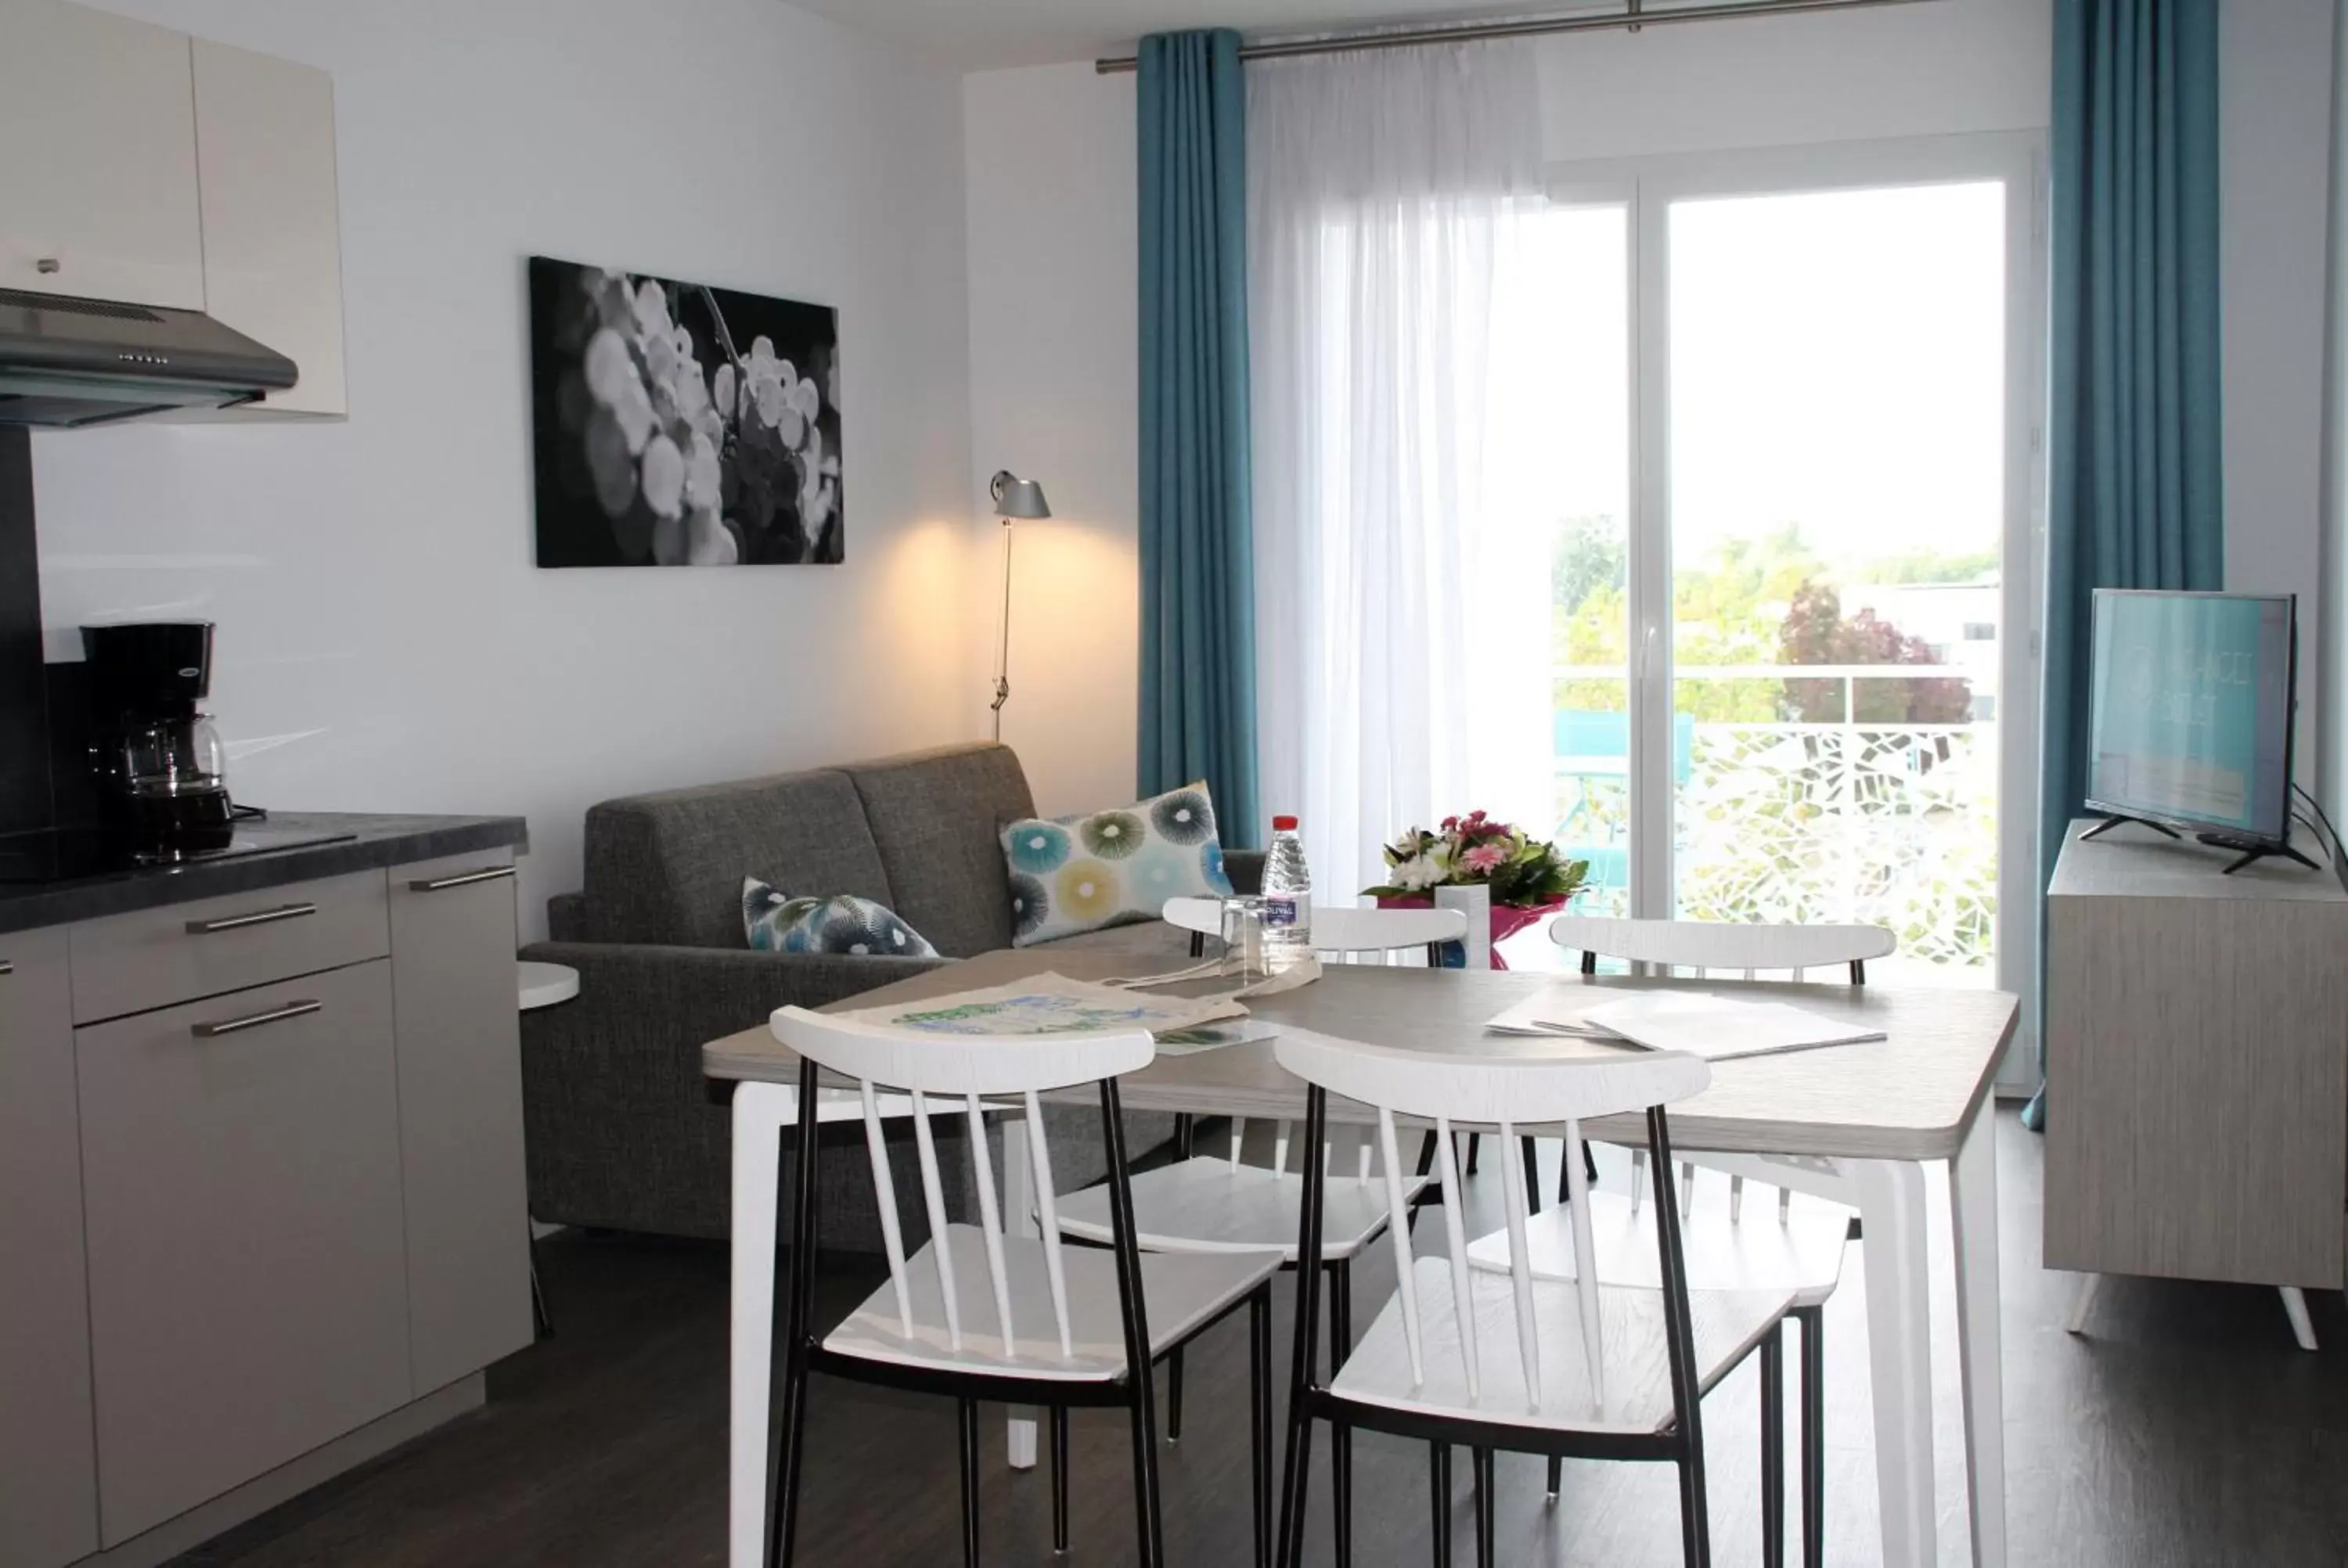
(159, 762)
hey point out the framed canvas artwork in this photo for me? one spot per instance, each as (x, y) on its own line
(680, 425)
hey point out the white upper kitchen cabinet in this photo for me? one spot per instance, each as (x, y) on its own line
(140, 165)
(272, 233)
(98, 157)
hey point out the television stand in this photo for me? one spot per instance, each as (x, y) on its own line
(2115, 818)
(2251, 850)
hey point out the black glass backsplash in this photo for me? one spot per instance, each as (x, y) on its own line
(25, 740)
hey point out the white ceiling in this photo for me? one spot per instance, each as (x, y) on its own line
(985, 34)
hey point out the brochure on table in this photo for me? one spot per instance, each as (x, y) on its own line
(1698, 1023)
(1055, 1004)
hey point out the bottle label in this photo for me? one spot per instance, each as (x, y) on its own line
(1287, 911)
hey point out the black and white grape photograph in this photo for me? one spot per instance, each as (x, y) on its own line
(681, 425)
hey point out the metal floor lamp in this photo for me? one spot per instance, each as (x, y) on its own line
(1013, 498)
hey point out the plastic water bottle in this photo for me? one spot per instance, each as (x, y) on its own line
(1287, 898)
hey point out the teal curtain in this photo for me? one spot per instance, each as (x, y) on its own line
(2133, 462)
(1198, 547)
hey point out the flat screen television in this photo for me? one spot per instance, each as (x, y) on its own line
(2190, 724)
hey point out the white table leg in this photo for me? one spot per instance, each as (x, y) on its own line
(2303, 1328)
(1018, 1219)
(761, 1112)
(1900, 1352)
(1972, 1205)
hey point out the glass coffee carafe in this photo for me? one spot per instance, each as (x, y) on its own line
(158, 760)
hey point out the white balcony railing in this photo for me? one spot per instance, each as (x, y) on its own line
(1892, 823)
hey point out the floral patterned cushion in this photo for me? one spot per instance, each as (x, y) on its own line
(776, 923)
(1076, 874)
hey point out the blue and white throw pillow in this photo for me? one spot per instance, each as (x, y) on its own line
(1076, 874)
(844, 924)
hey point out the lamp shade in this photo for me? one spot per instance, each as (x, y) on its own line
(1017, 498)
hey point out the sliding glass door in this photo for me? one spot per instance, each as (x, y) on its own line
(1793, 672)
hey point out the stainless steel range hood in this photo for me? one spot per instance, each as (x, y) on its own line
(66, 362)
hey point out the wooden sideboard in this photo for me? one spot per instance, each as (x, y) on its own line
(2197, 1064)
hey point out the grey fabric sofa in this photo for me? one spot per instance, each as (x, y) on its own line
(624, 1133)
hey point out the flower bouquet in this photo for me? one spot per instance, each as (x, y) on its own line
(1525, 878)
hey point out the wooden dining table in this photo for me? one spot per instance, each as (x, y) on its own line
(1857, 1122)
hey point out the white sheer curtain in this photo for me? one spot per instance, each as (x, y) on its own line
(1402, 566)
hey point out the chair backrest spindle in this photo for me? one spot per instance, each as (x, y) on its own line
(970, 1070)
(990, 1220)
(1585, 1261)
(933, 1201)
(1405, 1286)
(1520, 1274)
(1455, 1235)
(1039, 1155)
(884, 1189)
(1501, 1094)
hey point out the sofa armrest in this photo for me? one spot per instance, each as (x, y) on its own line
(566, 917)
(719, 990)
(622, 1131)
(1245, 868)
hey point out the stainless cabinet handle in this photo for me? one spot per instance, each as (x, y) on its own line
(239, 922)
(47, 265)
(7, 967)
(463, 879)
(274, 1015)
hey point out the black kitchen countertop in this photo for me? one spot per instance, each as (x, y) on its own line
(377, 842)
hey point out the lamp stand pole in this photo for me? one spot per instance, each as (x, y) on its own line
(1003, 649)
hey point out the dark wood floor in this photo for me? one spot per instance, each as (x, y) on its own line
(2186, 1430)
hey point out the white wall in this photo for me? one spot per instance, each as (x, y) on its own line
(2275, 169)
(1055, 374)
(1949, 67)
(386, 642)
(1053, 282)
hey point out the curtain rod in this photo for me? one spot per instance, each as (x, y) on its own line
(1633, 19)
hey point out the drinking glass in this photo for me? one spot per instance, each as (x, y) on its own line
(1243, 939)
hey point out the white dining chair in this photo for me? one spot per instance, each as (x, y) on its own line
(1745, 949)
(1351, 934)
(1801, 1250)
(1204, 1203)
(977, 1314)
(1346, 932)
(1507, 1360)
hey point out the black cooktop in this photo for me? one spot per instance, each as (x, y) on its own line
(86, 854)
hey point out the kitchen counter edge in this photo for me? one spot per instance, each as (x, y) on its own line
(378, 842)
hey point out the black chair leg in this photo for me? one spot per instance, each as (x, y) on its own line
(1487, 1536)
(969, 1483)
(1556, 1476)
(1532, 1152)
(1814, 1437)
(1475, 1151)
(1426, 1154)
(1295, 1486)
(1773, 1449)
(1341, 1437)
(1148, 1523)
(1695, 1529)
(1059, 1478)
(790, 1405)
(1438, 1474)
(1260, 1416)
(1589, 1169)
(1174, 1395)
(542, 1321)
